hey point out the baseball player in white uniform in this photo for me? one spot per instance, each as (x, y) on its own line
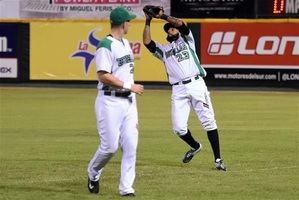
(189, 90)
(115, 105)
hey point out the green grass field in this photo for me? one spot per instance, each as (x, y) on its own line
(48, 136)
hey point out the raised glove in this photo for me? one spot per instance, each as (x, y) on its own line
(153, 11)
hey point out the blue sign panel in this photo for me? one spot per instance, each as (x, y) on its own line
(8, 40)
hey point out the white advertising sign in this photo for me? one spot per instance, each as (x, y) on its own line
(73, 9)
(8, 68)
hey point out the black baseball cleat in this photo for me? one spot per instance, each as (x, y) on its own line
(93, 186)
(128, 195)
(219, 164)
(191, 153)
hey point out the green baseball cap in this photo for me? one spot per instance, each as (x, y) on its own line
(119, 15)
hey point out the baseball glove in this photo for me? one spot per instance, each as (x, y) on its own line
(153, 11)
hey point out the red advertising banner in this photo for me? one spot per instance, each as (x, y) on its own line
(259, 45)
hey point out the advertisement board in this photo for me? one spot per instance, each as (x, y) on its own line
(248, 45)
(251, 51)
(65, 50)
(83, 9)
(8, 50)
(232, 53)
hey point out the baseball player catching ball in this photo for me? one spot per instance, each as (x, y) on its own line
(115, 105)
(185, 74)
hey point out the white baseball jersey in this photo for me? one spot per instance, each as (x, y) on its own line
(181, 64)
(120, 63)
(117, 117)
(180, 58)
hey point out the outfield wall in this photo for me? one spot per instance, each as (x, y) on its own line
(234, 52)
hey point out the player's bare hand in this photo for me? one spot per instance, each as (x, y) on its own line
(161, 12)
(147, 17)
(137, 88)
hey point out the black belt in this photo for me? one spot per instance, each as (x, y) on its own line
(117, 94)
(187, 81)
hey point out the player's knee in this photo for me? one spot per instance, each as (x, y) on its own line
(111, 149)
(129, 150)
(180, 132)
(130, 147)
(129, 153)
(209, 125)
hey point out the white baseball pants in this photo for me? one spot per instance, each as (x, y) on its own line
(117, 124)
(192, 95)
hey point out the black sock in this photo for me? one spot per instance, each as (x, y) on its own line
(190, 140)
(214, 141)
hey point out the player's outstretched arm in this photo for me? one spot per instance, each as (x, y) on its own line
(173, 20)
(147, 30)
(176, 22)
(158, 12)
(147, 39)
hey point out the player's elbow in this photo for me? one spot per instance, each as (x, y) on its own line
(151, 46)
(146, 41)
(103, 76)
(180, 22)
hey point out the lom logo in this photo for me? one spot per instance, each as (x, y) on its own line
(221, 43)
(269, 45)
(4, 45)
